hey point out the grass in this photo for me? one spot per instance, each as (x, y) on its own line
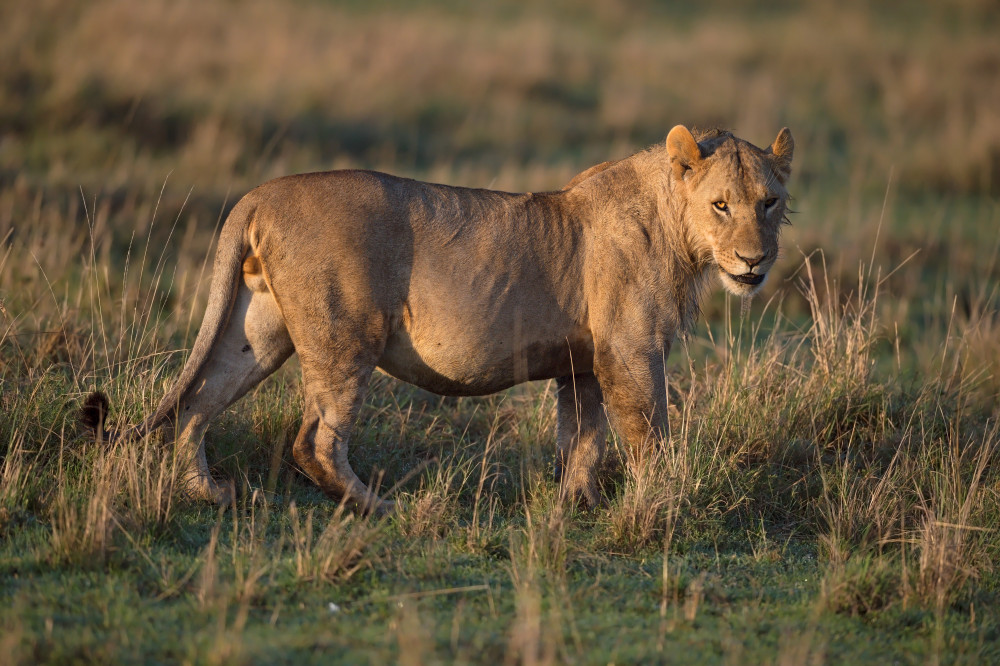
(829, 492)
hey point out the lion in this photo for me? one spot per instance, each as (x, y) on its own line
(465, 292)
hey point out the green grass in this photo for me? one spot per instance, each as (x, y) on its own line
(829, 493)
(452, 604)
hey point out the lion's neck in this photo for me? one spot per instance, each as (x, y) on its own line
(636, 206)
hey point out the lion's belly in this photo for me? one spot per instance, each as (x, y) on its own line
(487, 311)
(461, 364)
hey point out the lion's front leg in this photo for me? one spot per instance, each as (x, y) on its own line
(633, 381)
(581, 430)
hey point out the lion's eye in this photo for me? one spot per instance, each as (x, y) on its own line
(721, 206)
(770, 202)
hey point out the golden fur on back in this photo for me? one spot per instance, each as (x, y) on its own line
(467, 292)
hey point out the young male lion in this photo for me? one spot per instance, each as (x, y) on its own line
(467, 292)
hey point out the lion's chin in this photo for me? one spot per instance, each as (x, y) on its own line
(747, 284)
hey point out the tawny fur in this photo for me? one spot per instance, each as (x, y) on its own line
(467, 292)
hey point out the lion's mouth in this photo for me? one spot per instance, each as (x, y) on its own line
(747, 278)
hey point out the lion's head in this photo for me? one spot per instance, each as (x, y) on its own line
(735, 201)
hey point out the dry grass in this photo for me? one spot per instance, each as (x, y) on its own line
(949, 542)
(337, 552)
(83, 527)
(538, 573)
(431, 510)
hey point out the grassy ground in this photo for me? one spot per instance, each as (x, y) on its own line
(829, 492)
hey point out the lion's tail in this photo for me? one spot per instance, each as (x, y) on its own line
(93, 415)
(234, 241)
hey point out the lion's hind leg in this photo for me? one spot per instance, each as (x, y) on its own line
(333, 395)
(254, 344)
(581, 430)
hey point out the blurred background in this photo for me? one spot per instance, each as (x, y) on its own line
(128, 124)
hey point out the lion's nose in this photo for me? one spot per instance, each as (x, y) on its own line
(751, 262)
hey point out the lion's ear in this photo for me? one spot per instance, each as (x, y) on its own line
(683, 150)
(782, 149)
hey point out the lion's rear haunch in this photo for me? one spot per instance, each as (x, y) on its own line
(94, 412)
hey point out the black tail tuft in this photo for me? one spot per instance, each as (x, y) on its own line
(94, 411)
